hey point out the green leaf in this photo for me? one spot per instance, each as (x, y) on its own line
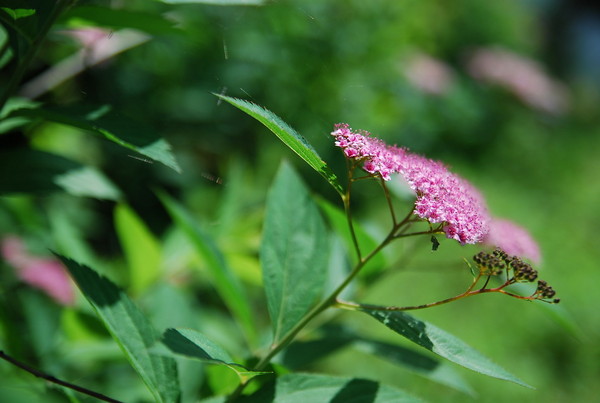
(301, 388)
(226, 283)
(32, 171)
(441, 343)
(112, 126)
(6, 124)
(142, 250)
(151, 23)
(427, 367)
(302, 354)
(130, 329)
(339, 222)
(219, 2)
(88, 181)
(289, 136)
(294, 252)
(192, 344)
(16, 13)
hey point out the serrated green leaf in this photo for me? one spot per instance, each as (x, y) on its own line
(294, 252)
(301, 388)
(302, 354)
(192, 344)
(427, 367)
(339, 222)
(112, 126)
(130, 329)
(289, 136)
(226, 283)
(441, 343)
(142, 250)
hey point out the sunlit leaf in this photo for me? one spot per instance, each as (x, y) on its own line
(151, 23)
(226, 283)
(289, 136)
(31, 171)
(8, 124)
(130, 329)
(111, 125)
(17, 13)
(294, 251)
(441, 343)
(142, 250)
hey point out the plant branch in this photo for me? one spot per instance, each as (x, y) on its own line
(57, 381)
(354, 306)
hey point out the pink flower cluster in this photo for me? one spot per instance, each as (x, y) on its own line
(442, 197)
(428, 74)
(512, 239)
(523, 77)
(48, 275)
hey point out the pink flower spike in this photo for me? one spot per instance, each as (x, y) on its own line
(513, 239)
(442, 197)
(46, 274)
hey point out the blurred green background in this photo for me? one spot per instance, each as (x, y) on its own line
(317, 63)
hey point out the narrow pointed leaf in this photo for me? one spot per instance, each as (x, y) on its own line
(294, 252)
(441, 343)
(130, 329)
(302, 354)
(226, 283)
(421, 364)
(194, 345)
(109, 124)
(289, 136)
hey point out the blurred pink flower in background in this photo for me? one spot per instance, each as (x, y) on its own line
(428, 74)
(513, 239)
(89, 36)
(523, 77)
(46, 274)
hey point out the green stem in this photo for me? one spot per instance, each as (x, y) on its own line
(32, 50)
(389, 201)
(331, 300)
(346, 201)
